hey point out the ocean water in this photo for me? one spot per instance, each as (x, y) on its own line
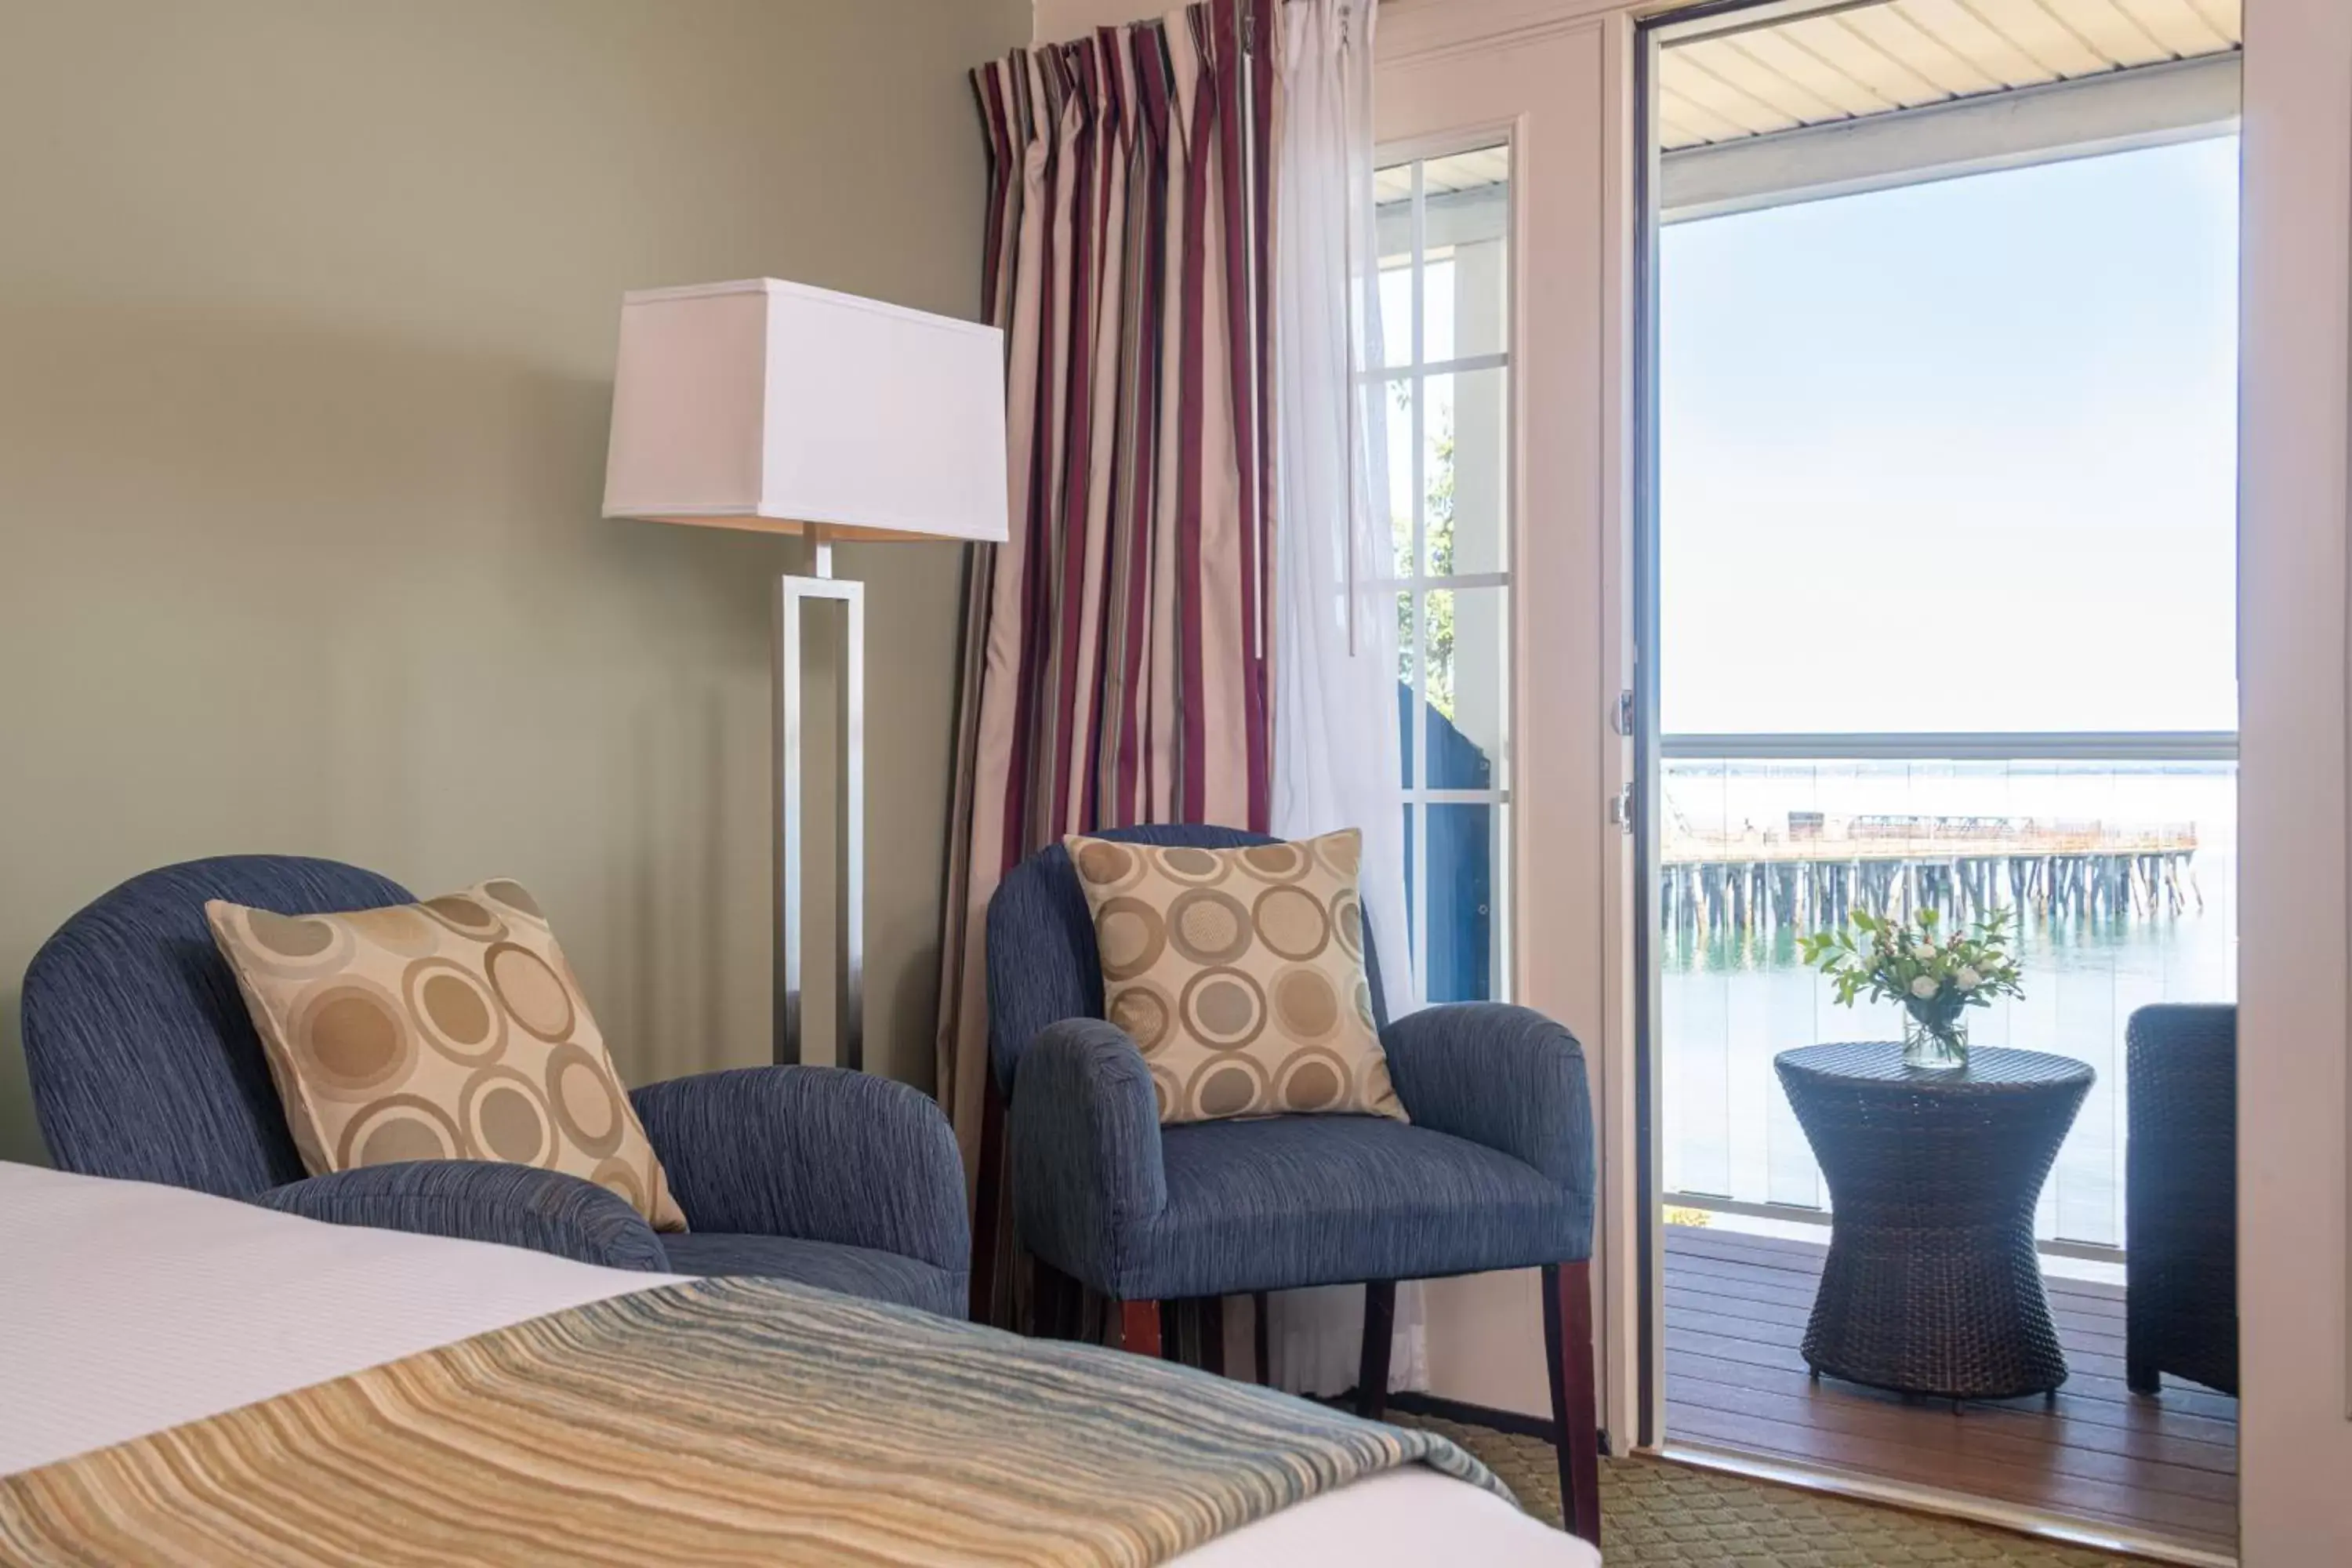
(1734, 999)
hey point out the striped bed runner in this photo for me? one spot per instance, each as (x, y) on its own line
(717, 1421)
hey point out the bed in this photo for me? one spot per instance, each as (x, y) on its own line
(134, 1315)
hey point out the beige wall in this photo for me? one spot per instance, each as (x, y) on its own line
(2296, 1445)
(306, 315)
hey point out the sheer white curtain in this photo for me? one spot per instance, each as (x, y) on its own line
(1336, 761)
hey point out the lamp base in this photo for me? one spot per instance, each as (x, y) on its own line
(791, 759)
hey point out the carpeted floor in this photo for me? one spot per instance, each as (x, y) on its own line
(1653, 1514)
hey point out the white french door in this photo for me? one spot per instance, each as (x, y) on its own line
(1504, 126)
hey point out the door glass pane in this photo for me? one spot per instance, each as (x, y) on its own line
(1412, 870)
(1464, 844)
(1396, 309)
(1465, 295)
(1392, 213)
(1399, 411)
(1407, 731)
(1466, 472)
(1958, 456)
(1466, 634)
(1445, 247)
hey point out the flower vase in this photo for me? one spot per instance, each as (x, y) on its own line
(1934, 1048)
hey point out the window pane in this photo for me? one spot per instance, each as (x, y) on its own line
(1412, 881)
(1466, 293)
(1406, 728)
(1443, 238)
(1396, 311)
(1393, 212)
(1467, 639)
(1465, 471)
(1464, 849)
(1958, 456)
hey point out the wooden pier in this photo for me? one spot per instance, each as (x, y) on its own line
(1814, 872)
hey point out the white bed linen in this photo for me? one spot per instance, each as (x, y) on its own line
(127, 1307)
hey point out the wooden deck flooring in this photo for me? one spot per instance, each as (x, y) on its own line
(1735, 1311)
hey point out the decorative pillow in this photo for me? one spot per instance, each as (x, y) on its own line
(451, 1029)
(1240, 973)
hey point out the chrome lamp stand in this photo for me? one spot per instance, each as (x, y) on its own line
(791, 759)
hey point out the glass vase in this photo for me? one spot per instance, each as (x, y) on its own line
(1934, 1048)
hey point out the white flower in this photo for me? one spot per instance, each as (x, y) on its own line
(1924, 988)
(1968, 979)
(1923, 952)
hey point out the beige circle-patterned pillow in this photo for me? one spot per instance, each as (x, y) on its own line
(452, 1029)
(1240, 975)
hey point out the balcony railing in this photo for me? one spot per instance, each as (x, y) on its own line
(2116, 853)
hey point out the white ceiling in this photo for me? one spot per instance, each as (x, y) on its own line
(1861, 60)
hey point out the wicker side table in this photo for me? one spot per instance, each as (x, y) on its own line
(1932, 1284)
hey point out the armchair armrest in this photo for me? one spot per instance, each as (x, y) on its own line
(1505, 1076)
(817, 1153)
(479, 1200)
(1084, 1136)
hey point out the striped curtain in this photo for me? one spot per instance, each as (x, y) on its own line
(1115, 661)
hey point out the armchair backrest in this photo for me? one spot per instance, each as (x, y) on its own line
(1042, 963)
(2181, 1073)
(142, 1058)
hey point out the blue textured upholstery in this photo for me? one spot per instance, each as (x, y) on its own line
(852, 1270)
(479, 1200)
(144, 1065)
(1505, 1076)
(819, 1153)
(1495, 1169)
(143, 1059)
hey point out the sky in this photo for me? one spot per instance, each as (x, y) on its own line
(1955, 456)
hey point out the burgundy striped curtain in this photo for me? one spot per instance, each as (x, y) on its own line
(1115, 662)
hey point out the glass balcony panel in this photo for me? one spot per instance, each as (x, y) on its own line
(2120, 878)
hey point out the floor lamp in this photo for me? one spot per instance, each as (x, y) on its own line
(785, 409)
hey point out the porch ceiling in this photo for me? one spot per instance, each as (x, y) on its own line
(1475, 170)
(1861, 60)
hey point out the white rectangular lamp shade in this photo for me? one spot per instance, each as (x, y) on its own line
(770, 406)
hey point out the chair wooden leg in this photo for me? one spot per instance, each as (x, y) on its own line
(1260, 1339)
(986, 1218)
(1139, 1328)
(1568, 1355)
(1380, 1332)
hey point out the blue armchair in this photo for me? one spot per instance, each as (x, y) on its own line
(1494, 1172)
(144, 1065)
